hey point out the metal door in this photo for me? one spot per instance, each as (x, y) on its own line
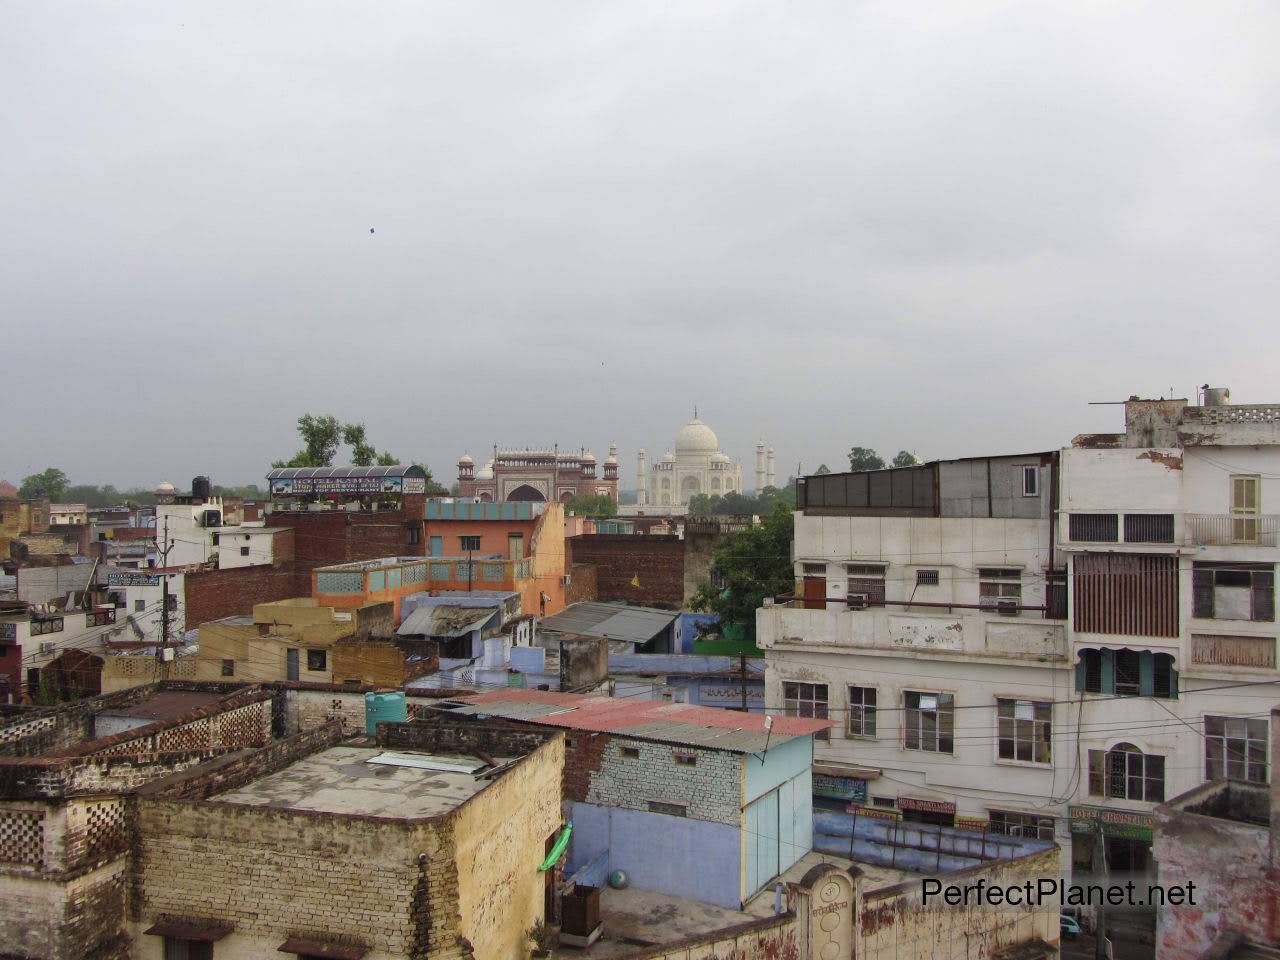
(815, 593)
(291, 661)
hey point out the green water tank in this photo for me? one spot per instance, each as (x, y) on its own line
(383, 708)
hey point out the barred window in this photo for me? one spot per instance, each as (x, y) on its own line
(1126, 773)
(1011, 824)
(1093, 527)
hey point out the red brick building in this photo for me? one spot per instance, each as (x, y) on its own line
(538, 475)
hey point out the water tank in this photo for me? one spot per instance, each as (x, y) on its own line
(201, 488)
(1216, 396)
(383, 708)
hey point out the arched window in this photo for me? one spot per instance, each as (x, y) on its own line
(1126, 773)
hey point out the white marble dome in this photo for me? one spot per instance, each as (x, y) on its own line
(485, 472)
(166, 489)
(696, 437)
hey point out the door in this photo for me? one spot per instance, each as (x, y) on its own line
(437, 546)
(515, 546)
(815, 593)
(1245, 508)
(291, 663)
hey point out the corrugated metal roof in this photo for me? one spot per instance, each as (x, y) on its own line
(614, 621)
(308, 473)
(680, 723)
(445, 621)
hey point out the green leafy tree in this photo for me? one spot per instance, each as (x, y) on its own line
(362, 453)
(391, 460)
(51, 483)
(320, 439)
(905, 459)
(864, 458)
(593, 505)
(753, 564)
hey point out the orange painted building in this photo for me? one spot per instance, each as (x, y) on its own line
(515, 547)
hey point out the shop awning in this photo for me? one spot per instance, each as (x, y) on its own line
(207, 931)
(321, 948)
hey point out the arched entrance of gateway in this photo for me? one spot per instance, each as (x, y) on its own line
(526, 493)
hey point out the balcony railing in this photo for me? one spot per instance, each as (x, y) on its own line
(1225, 529)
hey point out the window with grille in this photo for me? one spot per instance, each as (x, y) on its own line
(1093, 527)
(866, 580)
(862, 712)
(1235, 748)
(1000, 589)
(175, 948)
(806, 700)
(1011, 824)
(469, 544)
(670, 809)
(928, 722)
(926, 578)
(1148, 528)
(1127, 673)
(317, 660)
(1126, 773)
(1233, 592)
(1023, 730)
(228, 668)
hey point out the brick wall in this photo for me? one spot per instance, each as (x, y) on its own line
(709, 789)
(49, 920)
(583, 585)
(658, 562)
(308, 709)
(339, 536)
(214, 594)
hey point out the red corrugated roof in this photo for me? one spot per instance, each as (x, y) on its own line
(614, 713)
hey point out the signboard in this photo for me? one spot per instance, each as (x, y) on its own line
(8, 631)
(133, 580)
(977, 824)
(339, 486)
(840, 788)
(927, 806)
(415, 484)
(730, 694)
(1121, 824)
(876, 813)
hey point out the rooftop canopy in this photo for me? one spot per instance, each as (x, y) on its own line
(347, 481)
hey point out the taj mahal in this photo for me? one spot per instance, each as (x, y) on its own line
(696, 465)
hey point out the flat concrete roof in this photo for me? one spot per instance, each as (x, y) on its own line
(166, 705)
(341, 780)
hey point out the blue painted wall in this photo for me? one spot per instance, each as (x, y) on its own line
(783, 762)
(672, 855)
(779, 831)
(687, 628)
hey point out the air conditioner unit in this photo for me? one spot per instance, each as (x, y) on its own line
(564, 581)
(1007, 608)
(859, 601)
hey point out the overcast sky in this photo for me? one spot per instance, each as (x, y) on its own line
(945, 227)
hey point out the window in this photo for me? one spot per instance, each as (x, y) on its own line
(415, 534)
(1148, 528)
(171, 601)
(814, 569)
(926, 578)
(471, 544)
(1030, 481)
(806, 700)
(1233, 592)
(568, 743)
(228, 668)
(1126, 773)
(670, 809)
(1012, 824)
(929, 722)
(178, 949)
(1127, 673)
(139, 606)
(884, 803)
(1023, 730)
(862, 712)
(1246, 501)
(1093, 527)
(317, 659)
(685, 759)
(1000, 588)
(244, 551)
(1235, 748)
(217, 538)
(866, 579)
(631, 753)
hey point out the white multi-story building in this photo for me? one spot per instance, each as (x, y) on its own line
(194, 531)
(1049, 644)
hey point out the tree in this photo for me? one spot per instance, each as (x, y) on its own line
(864, 458)
(390, 460)
(320, 439)
(593, 505)
(362, 454)
(51, 483)
(753, 564)
(905, 459)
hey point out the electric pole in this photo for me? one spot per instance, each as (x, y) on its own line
(164, 600)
